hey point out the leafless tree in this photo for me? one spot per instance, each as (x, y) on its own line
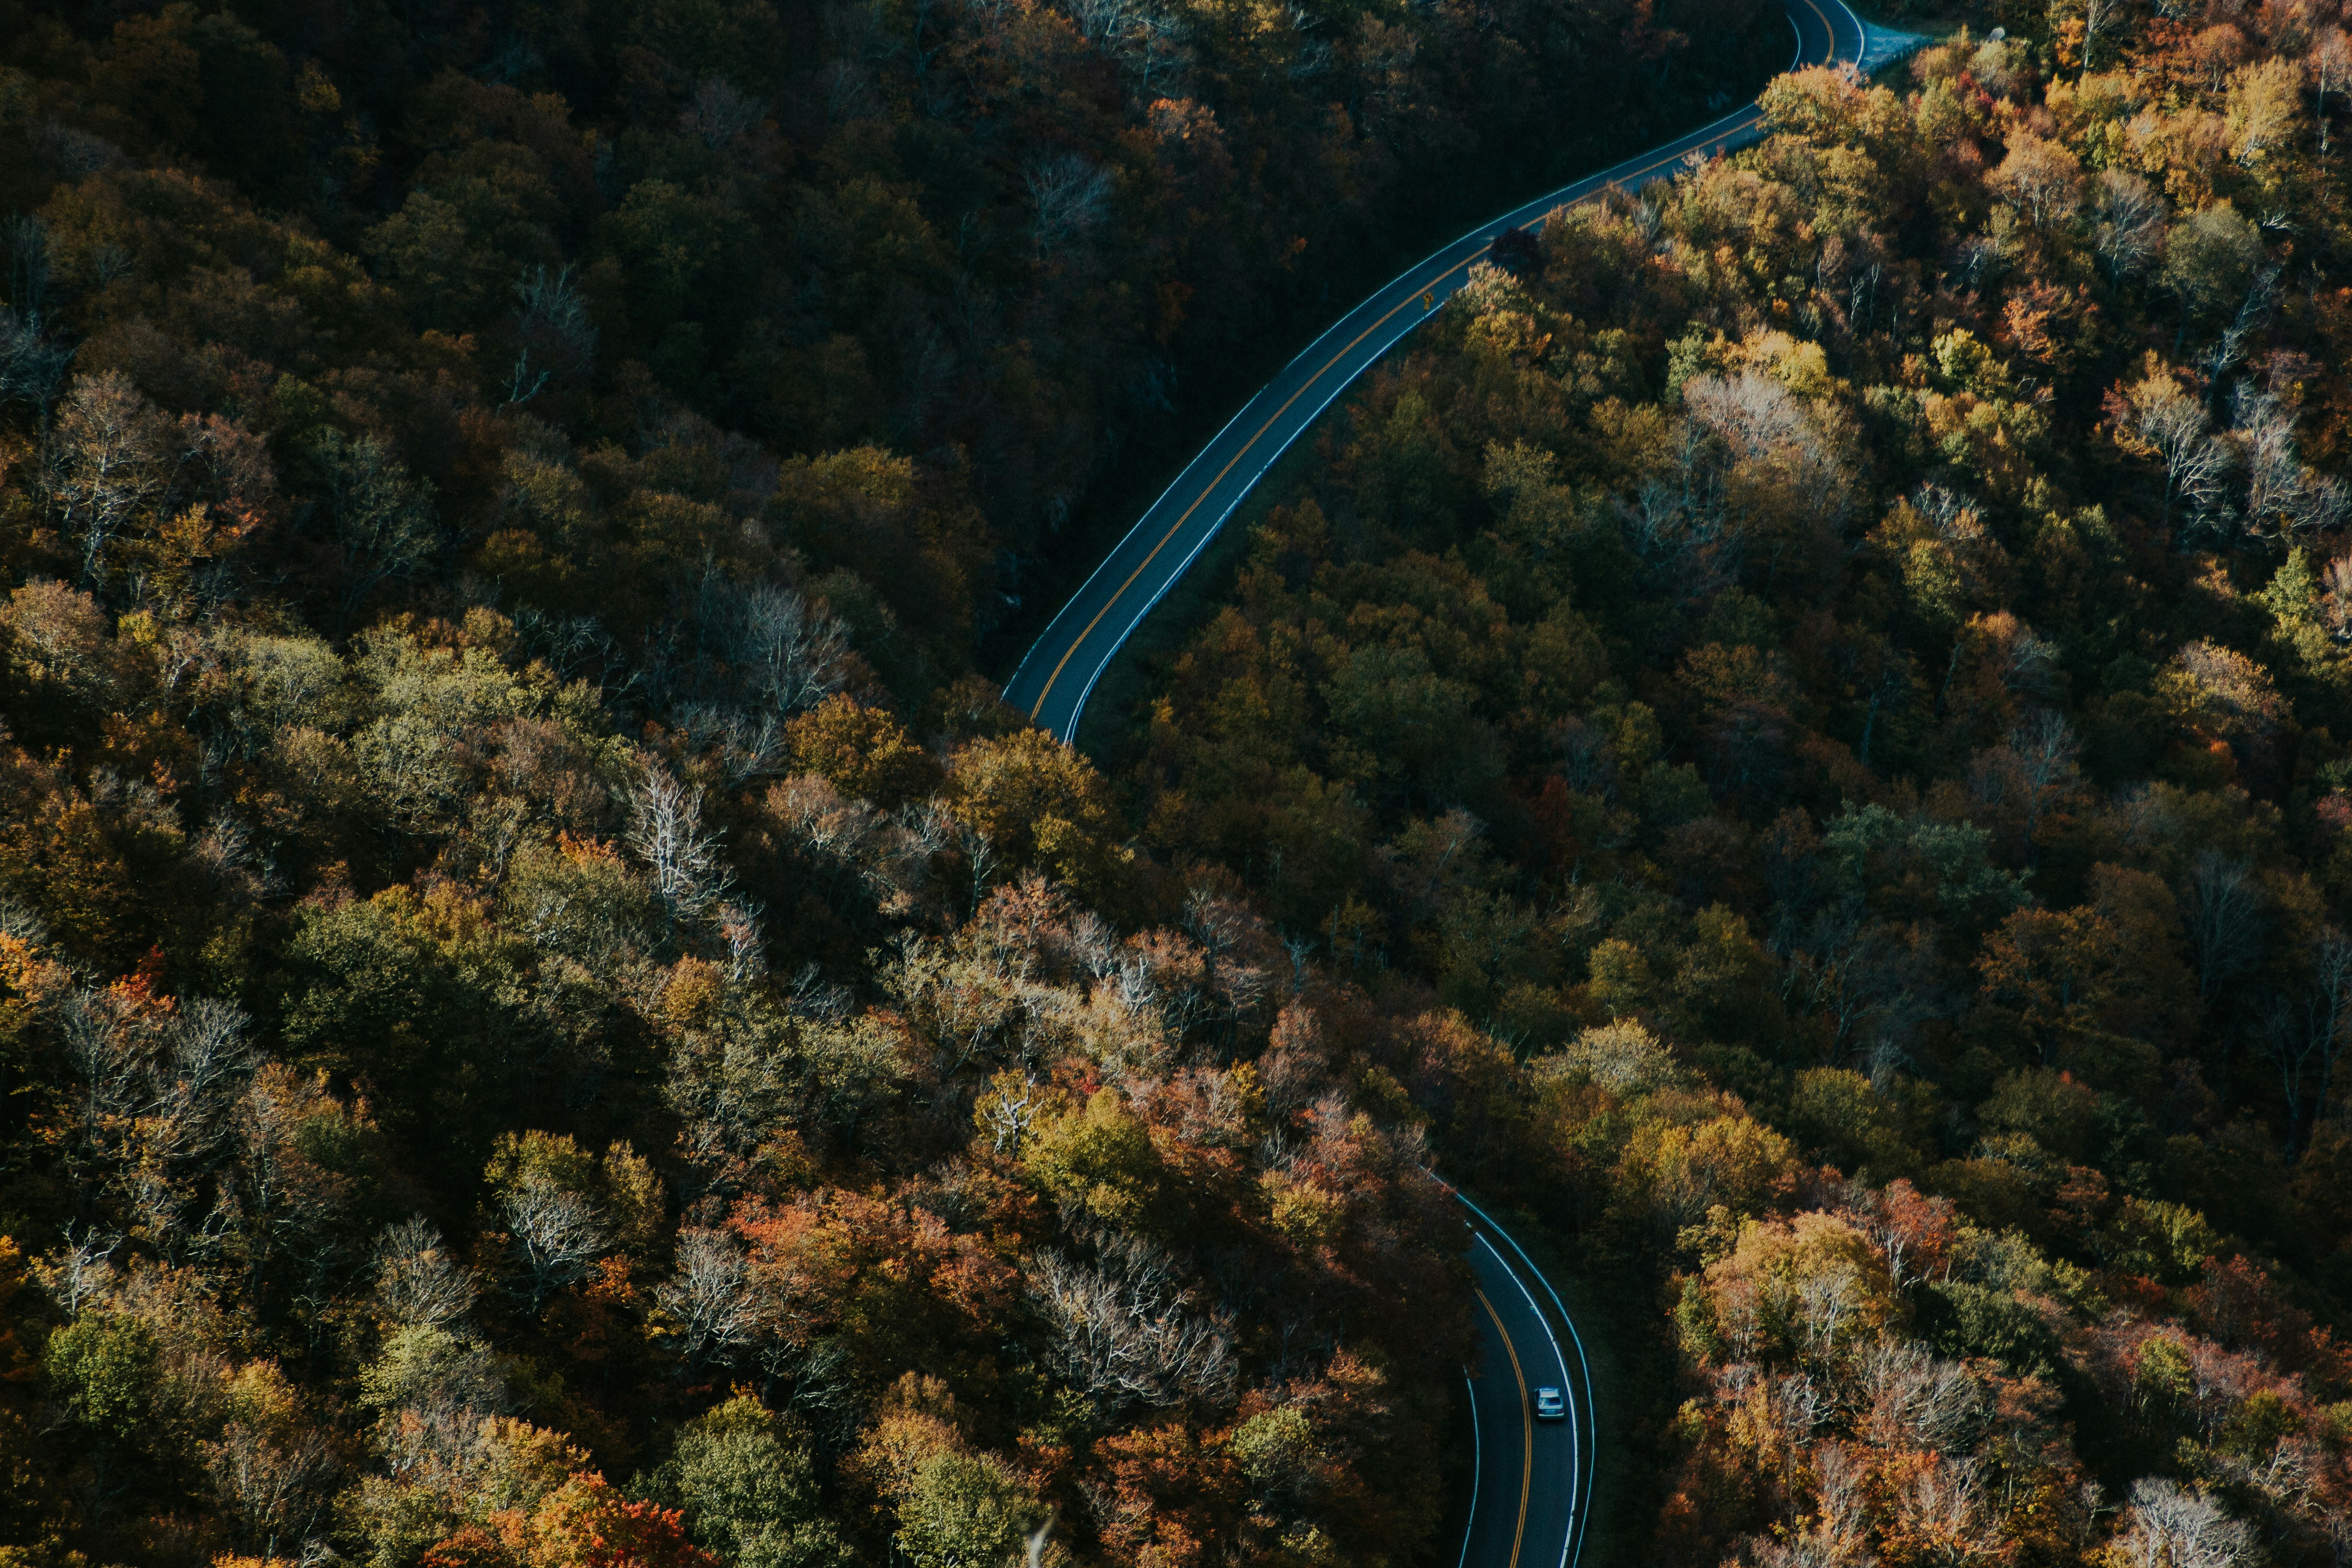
(2283, 496)
(854, 851)
(778, 653)
(578, 647)
(1009, 1117)
(719, 113)
(1824, 1303)
(2051, 754)
(280, 1211)
(1145, 36)
(63, 630)
(1099, 20)
(1842, 1491)
(965, 997)
(201, 1066)
(2127, 223)
(1836, 1532)
(433, 1389)
(2222, 905)
(2304, 1036)
(1130, 1332)
(1622, 1058)
(747, 949)
(416, 1280)
(763, 654)
(525, 381)
(102, 1049)
(82, 1270)
(278, 1484)
(109, 462)
(32, 364)
(2157, 418)
(2170, 1526)
(211, 1058)
(1227, 935)
(237, 867)
(381, 520)
(20, 920)
(1949, 1506)
(711, 1293)
(1754, 414)
(2024, 778)
(2098, 15)
(1032, 1546)
(2331, 72)
(666, 833)
(1068, 193)
(1913, 1398)
(551, 309)
(1679, 519)
(1757, 420)
(155, 1099)
(2335, 596)
(2253, 312)
(748, 745)
(558, 1233)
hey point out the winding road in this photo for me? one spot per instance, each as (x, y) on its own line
(1533, 1478)
(1533, 1486)
(1059, 671)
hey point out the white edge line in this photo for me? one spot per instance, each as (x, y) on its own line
(1583, 1364)
(1113, 554)
(1558, 201)
(1553, 202)
(1478, 1461)
(1169, 583)
(1579, 1510)
(1861, 38)
(1581, 1515)
(1486, 230)
(1575, 1433)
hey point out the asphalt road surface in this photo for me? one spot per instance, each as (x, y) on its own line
(1534, 1478)
(1061, 667)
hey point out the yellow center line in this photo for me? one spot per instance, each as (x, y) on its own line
(1827, 26)
(1210, 488)
(1079, 641)
(1527, 1427)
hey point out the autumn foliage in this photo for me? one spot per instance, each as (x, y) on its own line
(1833, 669)
(549, 1016)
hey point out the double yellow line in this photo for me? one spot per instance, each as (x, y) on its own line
(1527, 1428)
(1422, 296)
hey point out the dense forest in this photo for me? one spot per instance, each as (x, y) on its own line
(1838, 673)
(548, 1016)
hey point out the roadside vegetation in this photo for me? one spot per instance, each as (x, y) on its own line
(1838, 673)
(550, 1018)
(547, 1015)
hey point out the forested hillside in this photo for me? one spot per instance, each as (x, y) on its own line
(547, 1014)
(1844, 665)
(550, 1018)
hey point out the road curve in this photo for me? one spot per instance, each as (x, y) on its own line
(1533, 1478)
(1060, 670)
